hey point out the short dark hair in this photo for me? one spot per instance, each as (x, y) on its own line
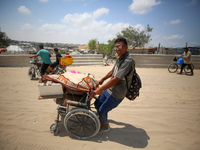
(186, 48)
(41, 46)
(121, 39)
(55, 49)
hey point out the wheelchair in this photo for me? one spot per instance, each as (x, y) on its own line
(74, 109)
(79, 120)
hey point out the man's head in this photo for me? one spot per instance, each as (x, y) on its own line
(186, 49)
(41, 46)
(121, 46)
(56, 50)
(66, 52)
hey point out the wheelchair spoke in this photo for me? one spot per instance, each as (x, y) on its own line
(74, 121)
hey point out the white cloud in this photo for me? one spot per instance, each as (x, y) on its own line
(195, 43)
(72, 0)
(24, 10)
(43, 1)
(28, 27)
(193, 2)
(52, 27)
(83, 27)
(143, 6)
(140, 27)
(118, 27)
(77, 28)
(177, 21)
(78, 20)
(100, 12)
(85, 19)
(173, 37)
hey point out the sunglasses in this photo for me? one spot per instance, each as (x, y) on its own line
(118, 47)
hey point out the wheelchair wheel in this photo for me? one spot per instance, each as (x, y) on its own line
(81, 123)
(187, 68)
(31, 73)
(54, 129)
(173, 67)
(60, 71)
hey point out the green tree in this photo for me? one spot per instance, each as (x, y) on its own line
(135, 37)
(92, 44)
(104, 49)
(108, 49)
(111, 45)
(62, 52)
(4, 40)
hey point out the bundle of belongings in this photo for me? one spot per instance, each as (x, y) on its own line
(69, 84)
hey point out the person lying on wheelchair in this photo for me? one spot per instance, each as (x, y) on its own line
(57, 62)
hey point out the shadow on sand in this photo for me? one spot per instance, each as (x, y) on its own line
(124, 134)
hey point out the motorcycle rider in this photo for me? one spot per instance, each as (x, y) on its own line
(57, 62)
(45, 56)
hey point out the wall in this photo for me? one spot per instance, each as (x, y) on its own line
(23, 60)
(160, 61)
(143, 60)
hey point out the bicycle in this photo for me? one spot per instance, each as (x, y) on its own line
(173, 67)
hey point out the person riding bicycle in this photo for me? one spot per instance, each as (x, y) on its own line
(57, 62)
(186, 57)
(45, 56)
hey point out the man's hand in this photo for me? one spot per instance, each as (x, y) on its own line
(98, 91)
(101, 82)
(92, 94)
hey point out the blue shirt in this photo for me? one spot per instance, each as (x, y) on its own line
(44, 54)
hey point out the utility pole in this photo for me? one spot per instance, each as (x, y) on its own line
(158, 49)
(98, 47)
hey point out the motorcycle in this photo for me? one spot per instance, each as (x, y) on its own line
(35, 70)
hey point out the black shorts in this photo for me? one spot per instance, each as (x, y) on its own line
(43, 69)
(53, 65)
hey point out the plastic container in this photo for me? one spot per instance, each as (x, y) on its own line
(48, 90)
(66, 61)
(180, 61)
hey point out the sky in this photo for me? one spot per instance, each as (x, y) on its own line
(174, 22)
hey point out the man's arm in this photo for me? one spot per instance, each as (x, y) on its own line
(34, 56)
(109, 84)
(109, 74)
(187, 55)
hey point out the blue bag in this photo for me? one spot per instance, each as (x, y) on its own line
(180, 61)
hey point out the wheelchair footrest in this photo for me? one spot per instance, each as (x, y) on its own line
(76, 103)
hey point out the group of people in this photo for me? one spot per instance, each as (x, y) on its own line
(46, 59)
(113, 92)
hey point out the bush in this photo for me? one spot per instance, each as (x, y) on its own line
(62, 52)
